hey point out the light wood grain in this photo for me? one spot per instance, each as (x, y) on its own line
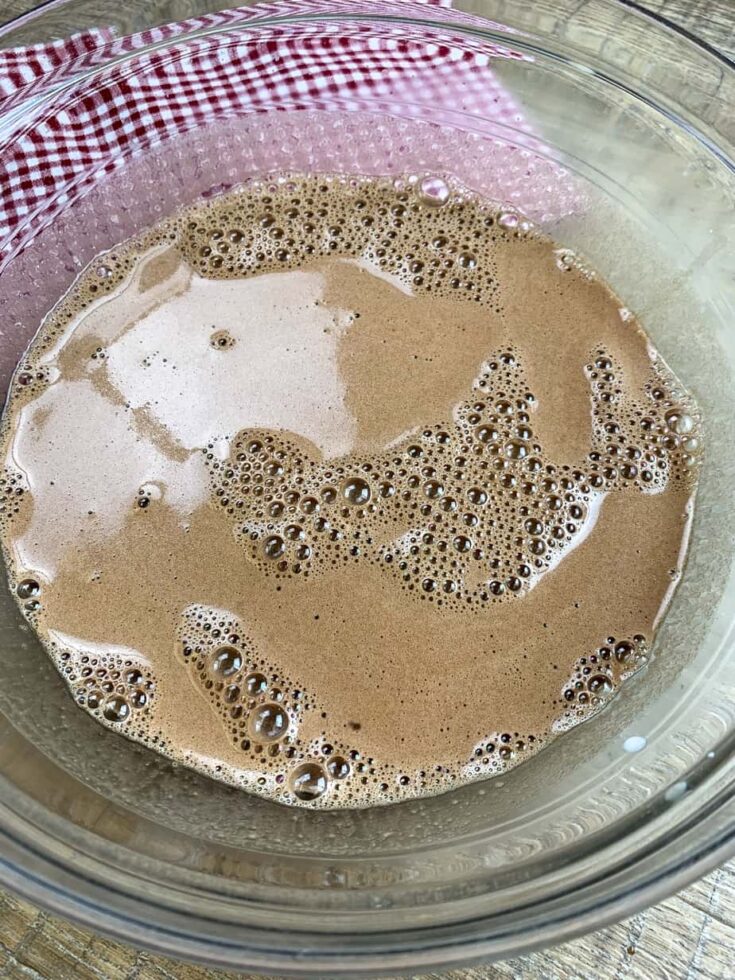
(689, 937)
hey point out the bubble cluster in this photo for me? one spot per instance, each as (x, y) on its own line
(500, 751)
(13, 493)
(466, 512)
(640, 443)
(118, 691)
(420, 230)
(262, 712)
(596, 677)
(29, 593)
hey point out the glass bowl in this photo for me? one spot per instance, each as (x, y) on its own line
(627, 125)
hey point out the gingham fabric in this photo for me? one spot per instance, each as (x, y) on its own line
(70, 130)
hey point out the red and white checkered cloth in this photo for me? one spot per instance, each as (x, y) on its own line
(70, 129)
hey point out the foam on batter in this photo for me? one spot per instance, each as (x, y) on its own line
(345, 490)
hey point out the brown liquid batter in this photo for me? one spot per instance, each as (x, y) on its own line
(342, 495)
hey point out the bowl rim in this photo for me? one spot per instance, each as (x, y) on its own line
(714, 841)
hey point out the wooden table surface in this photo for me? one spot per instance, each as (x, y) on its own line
(689, 937)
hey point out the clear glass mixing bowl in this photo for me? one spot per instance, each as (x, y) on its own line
(613, 816)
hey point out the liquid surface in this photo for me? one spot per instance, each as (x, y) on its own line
(345, 491)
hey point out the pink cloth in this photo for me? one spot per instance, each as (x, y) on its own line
(255, 61)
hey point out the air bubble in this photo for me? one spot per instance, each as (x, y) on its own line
(486, 433)
(308, 781)
(227, 661)
(516, 449)
(433, 489)
(508, 220)
(599, 684)
(221, 340)
(338, 768)
(256, 683)
(268, 723)
(116, 709)
(679, 422)
(274, 547)
(564, 260)
(433, 191)
(28, 588)
(356, 491)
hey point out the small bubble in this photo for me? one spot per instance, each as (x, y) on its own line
(599, 684)
(433, 191)
(116, 709)
(508, 220)
(486, 433)
(356, 491)
(308, 781)
(338, 768)
(221, 340)
(227, 661)
(28, 589)
(268, 723)
(433, 489)
(310, 505)
(624, 651)
(256, 683)
(516, 449)
(274, 547)
(564, 260)
(679, 422)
